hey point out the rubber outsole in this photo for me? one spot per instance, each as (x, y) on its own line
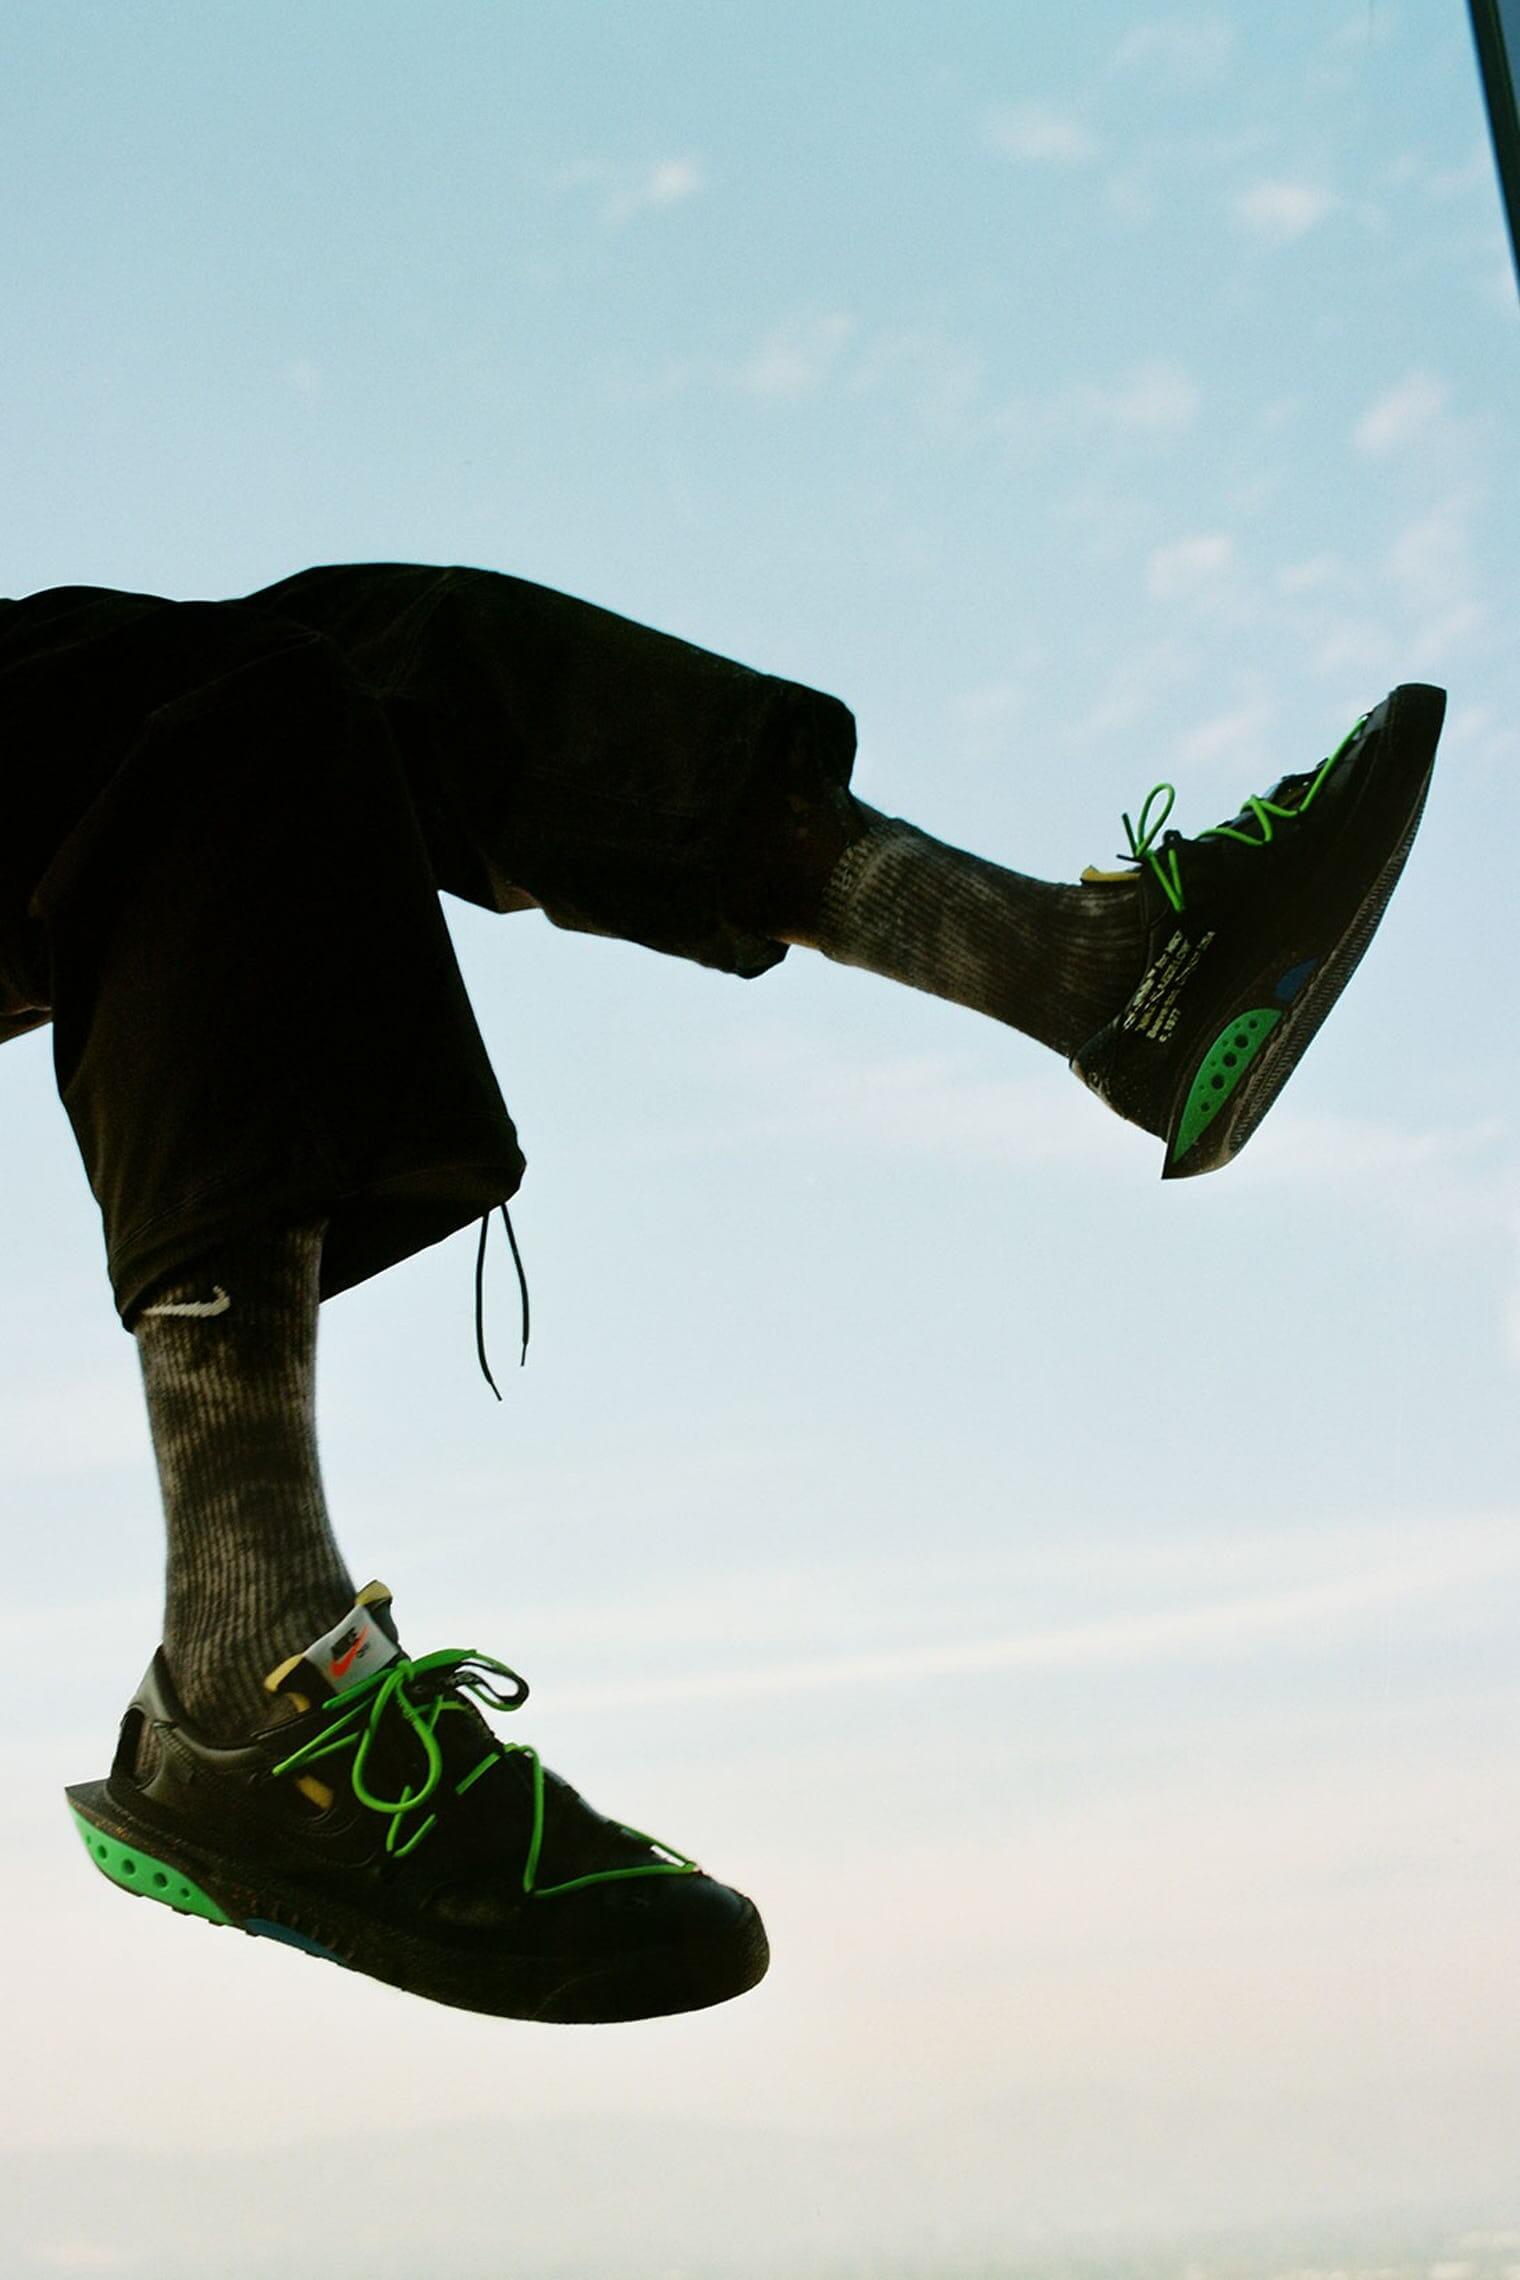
(651, 1984)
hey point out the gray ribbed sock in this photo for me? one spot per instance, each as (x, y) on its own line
(1055, 961)
(229, 1366)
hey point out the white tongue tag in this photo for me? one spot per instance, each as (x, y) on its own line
(351, 1650)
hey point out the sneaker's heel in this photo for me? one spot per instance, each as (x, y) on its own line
(1200, 1136)
(128, 1865)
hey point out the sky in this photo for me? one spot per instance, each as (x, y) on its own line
(1079, 1611)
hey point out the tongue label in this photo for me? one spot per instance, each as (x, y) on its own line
(351, 1650)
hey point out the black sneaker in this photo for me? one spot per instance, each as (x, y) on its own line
(1254, 929)
(376, 1820)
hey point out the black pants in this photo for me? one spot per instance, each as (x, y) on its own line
(246, 811)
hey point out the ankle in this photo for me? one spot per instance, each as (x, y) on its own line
(787, 844)
(1052, 960)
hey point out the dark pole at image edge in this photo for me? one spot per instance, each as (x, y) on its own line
(1496, 34)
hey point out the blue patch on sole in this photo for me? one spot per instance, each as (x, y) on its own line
(263, 1929)
(1293, 981)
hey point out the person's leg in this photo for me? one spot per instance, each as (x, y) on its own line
(816, 867)
(1184, 990)
(278, 1088)
(265, 1049)
(228, 1356)
(636, 786)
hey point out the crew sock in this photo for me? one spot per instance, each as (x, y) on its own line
(1056, 962)
(228, 1355)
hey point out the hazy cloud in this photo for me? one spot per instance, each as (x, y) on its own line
(1432, 567)
(1381, 1165)
(1170, 1635)
(667, 183)
(923, 1104)
(1039, 136)
(630, 190)
(1238, 736)
(1186, 51)
(1152, 399)
(797, 357)
(1311, 576)
(1414, 170)
(1401, 415)
(1281, 212)
(1189, 566)
(1353, 644)
(936, 375)
(1155, 399)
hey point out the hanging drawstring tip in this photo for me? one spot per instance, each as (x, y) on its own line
(480, 1285)
(522, 1284)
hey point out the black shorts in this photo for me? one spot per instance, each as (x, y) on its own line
(223, 828)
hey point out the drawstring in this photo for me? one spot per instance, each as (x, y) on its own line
(480, 1296)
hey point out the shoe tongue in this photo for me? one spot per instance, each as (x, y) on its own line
(359, 1643)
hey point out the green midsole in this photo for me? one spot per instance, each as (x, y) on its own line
(1221, 1070)
(137, 1871)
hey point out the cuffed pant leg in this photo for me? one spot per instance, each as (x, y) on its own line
(257, 1010)
(556, 747)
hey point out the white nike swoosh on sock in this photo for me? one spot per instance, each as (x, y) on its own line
(217, 1305)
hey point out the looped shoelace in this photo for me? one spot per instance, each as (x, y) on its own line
(357, 1715)
(480, 1296)
(1267, 812)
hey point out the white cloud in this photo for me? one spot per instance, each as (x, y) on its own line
(1383, 1166)
(1038, 136)
(1401, 414)
(937, 376)
(1490, 740)
(1431, 566)
(930, 1105)
(1238, 736)
(1431, 556)
(798, 357)
(1155, 399)
(1189, 566)
(1351, 644)
(1442, 183)
(1186, 51)
(1335, 1607)
(1143, 677)
(1311, 576)
(1281, 212)
(631, 190)
(667, 183)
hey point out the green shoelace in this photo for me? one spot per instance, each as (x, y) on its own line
(1267, 813)
(356, 1717)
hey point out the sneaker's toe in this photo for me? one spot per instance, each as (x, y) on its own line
(639, 1947)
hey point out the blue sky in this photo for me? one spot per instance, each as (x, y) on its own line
(1080, 1611)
